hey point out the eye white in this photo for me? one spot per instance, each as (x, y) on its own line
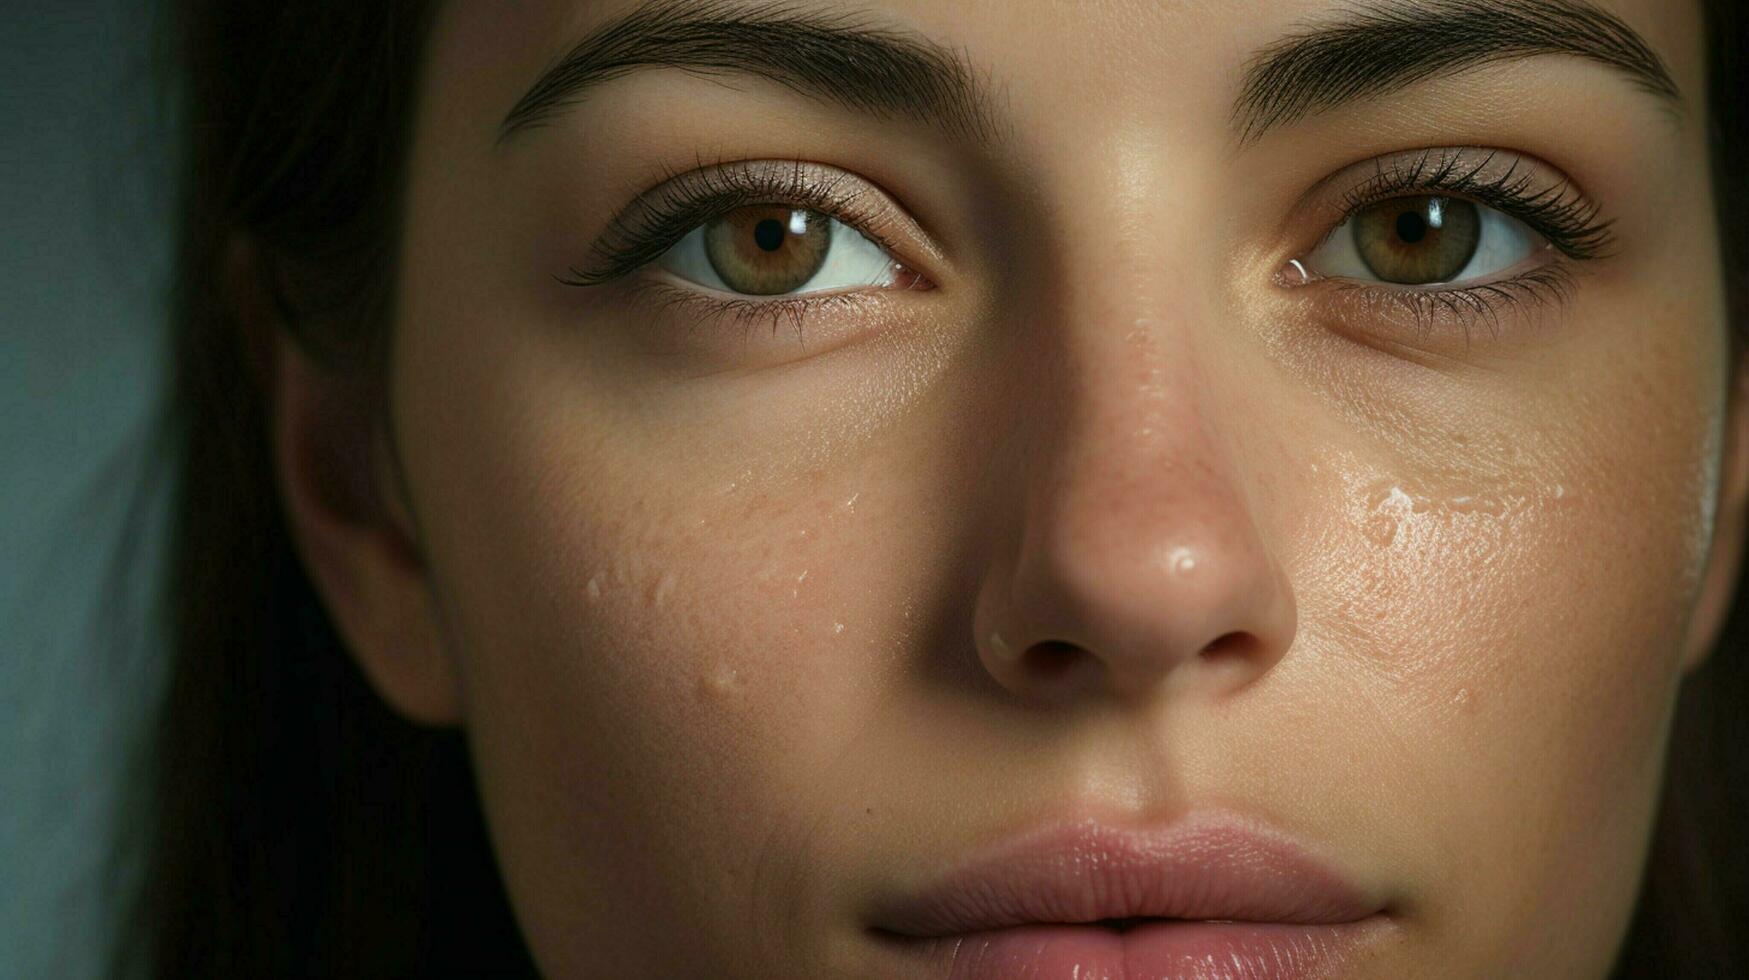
(1503, 242)
(852, 262)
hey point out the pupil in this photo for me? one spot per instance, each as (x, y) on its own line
(768, 234)
(1411, 227)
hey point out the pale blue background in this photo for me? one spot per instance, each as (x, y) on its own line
(83, 209)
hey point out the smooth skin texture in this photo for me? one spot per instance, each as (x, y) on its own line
(738, 623)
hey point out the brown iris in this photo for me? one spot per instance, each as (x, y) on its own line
(1417, 240)
(767, 249)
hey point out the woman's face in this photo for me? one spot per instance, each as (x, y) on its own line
(841, 442)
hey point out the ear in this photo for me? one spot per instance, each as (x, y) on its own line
(1719, 579)
(347, 513)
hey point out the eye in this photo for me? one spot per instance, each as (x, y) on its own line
(1424, 240)
(775, 249)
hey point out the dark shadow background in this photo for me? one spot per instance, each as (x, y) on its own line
(84, 213)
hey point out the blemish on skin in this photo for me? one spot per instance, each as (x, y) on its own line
(1462, 700)
(1390, 509)
(662, 589)
(1491, 506)
(1181, 561)
(1385, 515)
(735, 484)
(721, 682)
(594, 587)
(837, 628)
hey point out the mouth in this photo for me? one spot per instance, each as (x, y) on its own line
(1124, 925)
(1213, 897)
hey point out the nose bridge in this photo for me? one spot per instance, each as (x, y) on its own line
(1132, 469)
(1135, 498)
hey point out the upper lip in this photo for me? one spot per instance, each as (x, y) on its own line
(1211, 868)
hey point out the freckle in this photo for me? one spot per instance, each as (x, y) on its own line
(594, 588)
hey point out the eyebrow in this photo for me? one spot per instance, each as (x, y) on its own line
(835, 57)
(1379, 48)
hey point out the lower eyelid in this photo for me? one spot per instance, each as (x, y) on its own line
(1437, 318)
(736, 333)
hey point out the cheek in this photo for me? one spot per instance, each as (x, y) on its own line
(1518, 628)
(660, 663)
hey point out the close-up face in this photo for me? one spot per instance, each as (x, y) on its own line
(893, 481)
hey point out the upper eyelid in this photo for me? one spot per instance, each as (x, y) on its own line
(1554, 204)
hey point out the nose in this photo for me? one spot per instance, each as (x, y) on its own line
(1132, 560)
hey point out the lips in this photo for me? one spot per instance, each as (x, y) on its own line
(1211, 896)
(1085, 872)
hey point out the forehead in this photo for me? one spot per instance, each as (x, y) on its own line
(1060, 56)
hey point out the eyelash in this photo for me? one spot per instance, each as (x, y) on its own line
(1568, 220)
(1559, 213)
(641, 234)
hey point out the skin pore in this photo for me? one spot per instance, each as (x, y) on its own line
(758, 611)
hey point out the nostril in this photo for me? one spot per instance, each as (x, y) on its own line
(1051, 658)
(1229, 645)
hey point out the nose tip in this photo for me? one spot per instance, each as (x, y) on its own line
(1123, 594)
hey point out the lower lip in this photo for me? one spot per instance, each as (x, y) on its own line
(1151, 951)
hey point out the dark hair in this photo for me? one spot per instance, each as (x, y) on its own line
(292, 823)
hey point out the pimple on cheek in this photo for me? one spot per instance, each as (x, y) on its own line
(720, 682)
